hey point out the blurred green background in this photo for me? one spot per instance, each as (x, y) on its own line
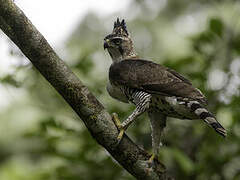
(41, 138)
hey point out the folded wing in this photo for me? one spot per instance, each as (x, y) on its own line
(152, 78)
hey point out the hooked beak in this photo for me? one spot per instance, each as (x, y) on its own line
(105, 45)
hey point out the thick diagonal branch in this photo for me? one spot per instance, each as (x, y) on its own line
(20, 30)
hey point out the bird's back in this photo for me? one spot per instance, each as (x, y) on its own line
(153, 78)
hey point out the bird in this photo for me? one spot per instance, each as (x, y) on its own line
(158, 90)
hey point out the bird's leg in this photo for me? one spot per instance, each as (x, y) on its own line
(142, 100)
(122, 127)
(156, 143)
(158, 123)
(117, 122)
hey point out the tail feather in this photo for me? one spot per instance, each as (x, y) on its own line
(217, 126)
(208, 117)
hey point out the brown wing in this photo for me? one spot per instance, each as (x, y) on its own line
(153, 78)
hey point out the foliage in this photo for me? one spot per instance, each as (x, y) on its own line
(42, 138)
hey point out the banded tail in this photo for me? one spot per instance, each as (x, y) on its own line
(208, 117)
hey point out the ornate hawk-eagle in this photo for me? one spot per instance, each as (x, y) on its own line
(152, 88)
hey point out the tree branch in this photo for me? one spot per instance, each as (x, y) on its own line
(20, 30)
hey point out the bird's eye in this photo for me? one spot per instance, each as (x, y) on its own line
(117, 41)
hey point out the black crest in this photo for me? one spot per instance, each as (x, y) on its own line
(120, 28)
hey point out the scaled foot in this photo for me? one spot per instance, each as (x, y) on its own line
(151, 162)
(151, 159)
(118, 123)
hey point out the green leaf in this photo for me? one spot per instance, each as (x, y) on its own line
(216, 26)
(183, 161)
(10, 80)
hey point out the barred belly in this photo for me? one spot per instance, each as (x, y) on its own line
(177, 107)
(172, 107)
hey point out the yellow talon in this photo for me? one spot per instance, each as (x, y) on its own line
(151, 159)
(120, 135)
(116, 120)
(151, 163)
(118, 123)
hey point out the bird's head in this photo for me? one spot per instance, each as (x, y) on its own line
(119, 43)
